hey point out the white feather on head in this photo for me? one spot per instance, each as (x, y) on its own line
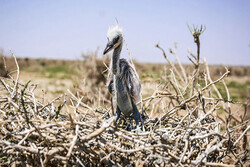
(113, 31)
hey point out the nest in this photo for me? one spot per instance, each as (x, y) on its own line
(43, 134)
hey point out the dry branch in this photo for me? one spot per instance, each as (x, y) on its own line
(34, 133)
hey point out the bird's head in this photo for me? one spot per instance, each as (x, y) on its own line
(114, 38)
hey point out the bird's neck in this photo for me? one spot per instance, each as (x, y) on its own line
(115, 59)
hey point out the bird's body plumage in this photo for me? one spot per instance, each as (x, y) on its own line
(127, 88)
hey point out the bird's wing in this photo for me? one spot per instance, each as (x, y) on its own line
(131, 79)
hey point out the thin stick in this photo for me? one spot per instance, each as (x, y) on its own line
(17, 76)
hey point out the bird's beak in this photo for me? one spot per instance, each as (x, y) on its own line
(108, 48)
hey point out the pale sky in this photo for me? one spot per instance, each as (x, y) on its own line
(64, 29)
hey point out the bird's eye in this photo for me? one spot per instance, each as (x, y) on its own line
(115, 40)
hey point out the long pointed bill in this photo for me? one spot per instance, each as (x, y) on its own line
(108, 48)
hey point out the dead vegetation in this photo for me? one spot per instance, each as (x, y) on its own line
(182, 128)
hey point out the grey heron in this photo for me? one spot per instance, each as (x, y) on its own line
(123, 81)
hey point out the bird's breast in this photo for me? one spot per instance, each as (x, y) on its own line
(123, 98)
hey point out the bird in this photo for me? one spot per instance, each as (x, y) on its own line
(122, 81)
